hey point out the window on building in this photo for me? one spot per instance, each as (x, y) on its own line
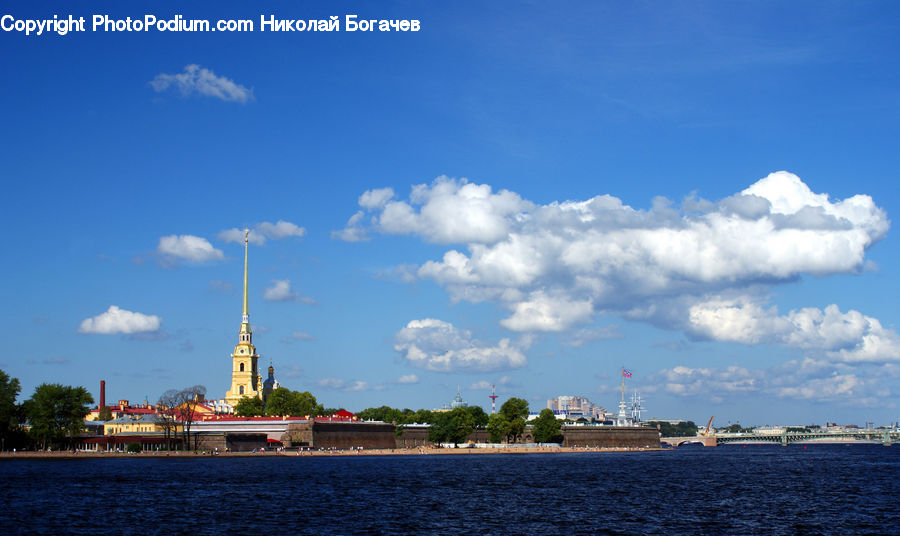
(241, 388)
(242, 367)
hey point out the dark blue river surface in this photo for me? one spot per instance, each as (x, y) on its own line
(725, 490)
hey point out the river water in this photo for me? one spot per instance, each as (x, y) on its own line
(816, 489)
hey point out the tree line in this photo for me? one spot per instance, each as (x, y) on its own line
(453, 426)
(55, 415)
(682, 429)
(282, 402)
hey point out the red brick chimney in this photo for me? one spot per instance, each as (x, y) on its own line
(102, 393)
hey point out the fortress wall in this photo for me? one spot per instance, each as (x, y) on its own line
(300, 434)
(417, 436)
(229, 441)
(369, 435)
(345, 435)
(210, 441)
(412, 436)
(581, 436)
(610, 437)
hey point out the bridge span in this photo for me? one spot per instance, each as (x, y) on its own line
(786, 437)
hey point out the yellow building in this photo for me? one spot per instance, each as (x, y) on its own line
(130, 424)
(245, 378)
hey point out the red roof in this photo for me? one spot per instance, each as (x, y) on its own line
(247, 419)
(128, 409)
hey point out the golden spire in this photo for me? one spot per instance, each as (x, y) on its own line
(245, 317)
(246, 236)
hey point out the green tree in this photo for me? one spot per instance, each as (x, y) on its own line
(56, 412)
(545, 428)
(9, 390)
(249, 406)
(479, 417)
(682, 429)
(423, 416)
(462, 423)
(452, 426)
(383, 414)
(105, 414)
(283, 401)
(736, 428)
(498, 427)
(515, 410)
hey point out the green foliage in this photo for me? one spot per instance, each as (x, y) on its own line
(422, 416)
(383, 414)
(498, 427)
(479, 417)
(400, 416)
(682, 429)
(105, 414)
(514, 408)
(446, 426)
(515, 411)
(9, 390)
(133, 448)
(546, 428)
(249, 406)
(283, 401)
(55, 411)
(452, 426)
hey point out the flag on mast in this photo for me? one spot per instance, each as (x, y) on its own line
(626, 373)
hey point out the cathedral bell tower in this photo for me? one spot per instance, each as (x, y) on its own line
(245, 380)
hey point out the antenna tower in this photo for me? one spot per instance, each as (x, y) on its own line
(493, 398)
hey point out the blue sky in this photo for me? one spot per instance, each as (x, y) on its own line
(520, 194)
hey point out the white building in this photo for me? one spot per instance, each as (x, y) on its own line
(573, 406)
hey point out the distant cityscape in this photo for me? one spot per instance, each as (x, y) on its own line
(254, 414)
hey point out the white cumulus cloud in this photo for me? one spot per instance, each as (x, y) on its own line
(437, 345)
(280, 291)
(807, 379)
(408, 379)
(199, 80)
(446, 211)
(704, 267)
(353, 232)
(116, 320)
(848, 337)
(188, 247)
(376, 198)
(546, 313)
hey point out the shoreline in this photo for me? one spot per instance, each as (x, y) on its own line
(291, 453)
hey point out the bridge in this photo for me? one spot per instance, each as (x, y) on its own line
(787, 437)
(706, 441)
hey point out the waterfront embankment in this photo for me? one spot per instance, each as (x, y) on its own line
(427, 451)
